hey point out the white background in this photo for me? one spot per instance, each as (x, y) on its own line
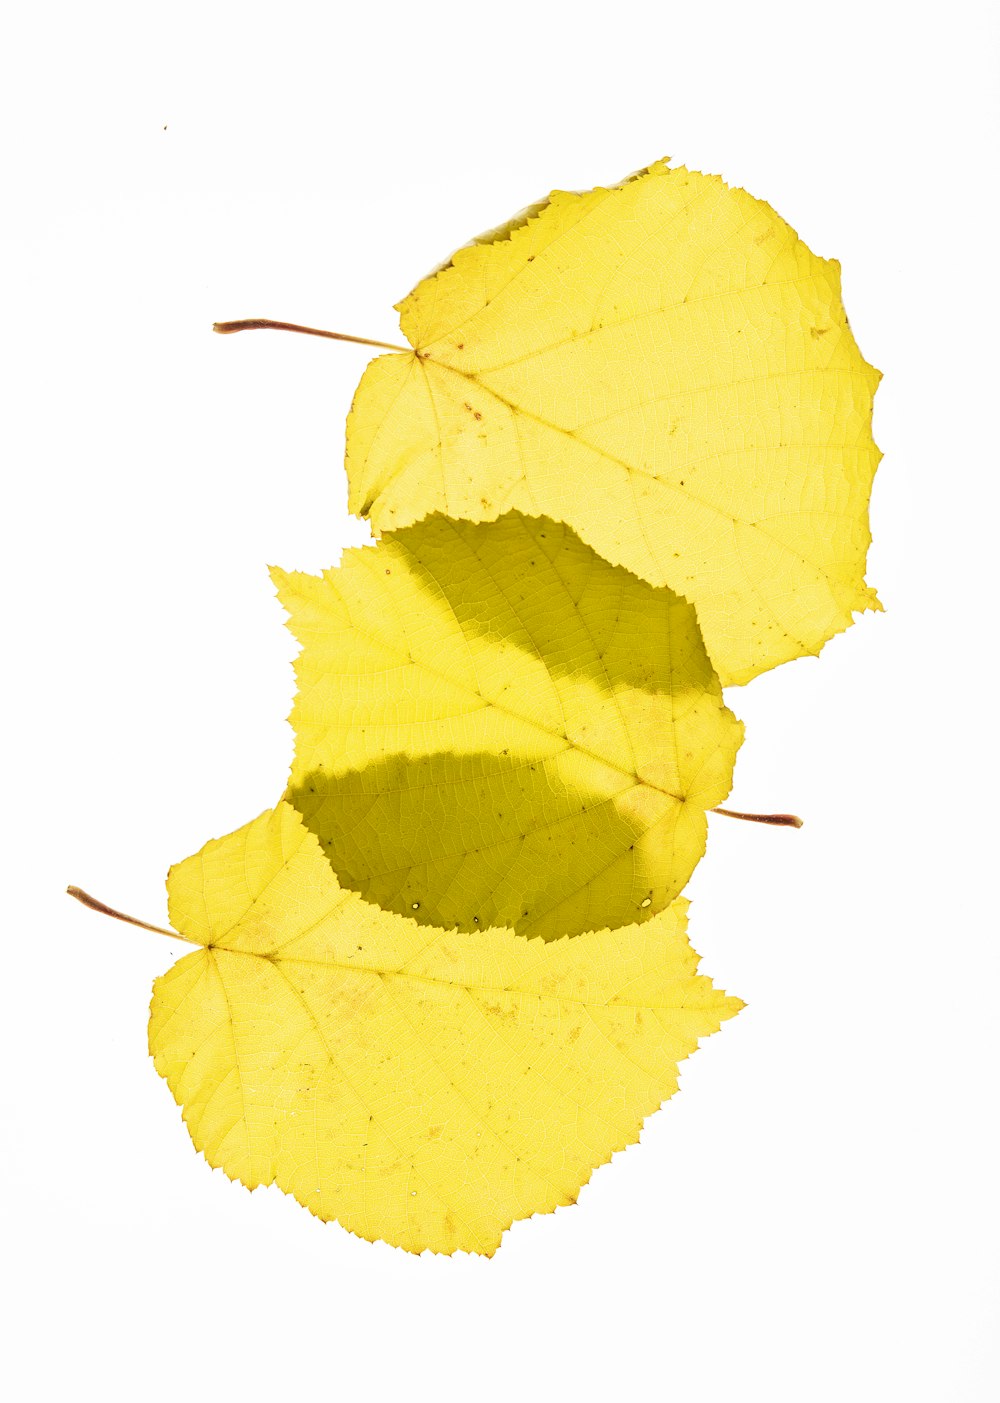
(815, 1216)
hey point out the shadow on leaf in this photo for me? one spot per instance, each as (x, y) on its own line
(480, 840)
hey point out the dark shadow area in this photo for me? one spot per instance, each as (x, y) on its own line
(480, 840)
(532, 583)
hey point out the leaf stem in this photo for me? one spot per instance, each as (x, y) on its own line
(778, 820)
(264, 324)
(96, 905)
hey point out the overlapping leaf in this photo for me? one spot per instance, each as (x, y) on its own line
(426, 1088)
(633, 421)
(666, 367)
(494, 726)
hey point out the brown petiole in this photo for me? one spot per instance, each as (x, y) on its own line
(264, 324)
(778, 820)
(96, 905)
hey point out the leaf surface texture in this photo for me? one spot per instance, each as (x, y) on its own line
(666, 367)
(494, 726)
(423, 1087)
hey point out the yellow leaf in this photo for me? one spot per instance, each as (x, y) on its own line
(494, 726)
(667, 368)
(425, 1088)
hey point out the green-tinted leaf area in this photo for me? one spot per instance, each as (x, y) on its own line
(496, 726)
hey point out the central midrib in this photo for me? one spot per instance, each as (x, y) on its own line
(683, 492)
(384, 974)
(518, 716)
